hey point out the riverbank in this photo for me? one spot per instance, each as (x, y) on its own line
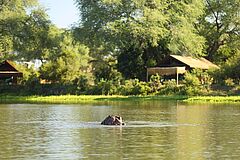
(213, 99)
(73, 99)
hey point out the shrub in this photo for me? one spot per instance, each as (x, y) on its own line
(126, 88)
(141, 88)
(191, 84)
(103, 87)
(83, 83)
(229, 82)
(134, 87)
(191, 79)
(30, 75)
(170, 88)
(155, 84)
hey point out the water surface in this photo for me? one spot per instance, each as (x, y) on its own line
(153, 130)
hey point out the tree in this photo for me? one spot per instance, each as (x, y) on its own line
(149, 26)
(36, 38)
(220, 25)
(142, 23)
(128, 59)
(24, 28)
(67, 62)
(231, 69)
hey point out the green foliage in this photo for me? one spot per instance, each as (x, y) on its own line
(191, 79)
(155, 83)
(24, 29)
(131, 64)
(231, 69)
(105, 88)
(191, 84)
(205, 77)
(220, 27)
(140, 23)
(140, 33)
(229, 82)
(232, 66)
(134, 87)
(79, 99)
(30, 75)
(106, 69)
(169, 88)
(217, 75)
(67, 62)
(214, 99)
(126, 37)
(83, 83)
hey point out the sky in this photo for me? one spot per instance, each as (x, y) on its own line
(63, 13)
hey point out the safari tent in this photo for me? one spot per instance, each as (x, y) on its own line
(176, 65)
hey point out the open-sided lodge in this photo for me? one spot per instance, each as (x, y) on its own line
(175, 65)
(8, 73)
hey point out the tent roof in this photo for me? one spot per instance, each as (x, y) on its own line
(201, 63)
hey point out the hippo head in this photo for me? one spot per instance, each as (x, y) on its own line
(118, 120)
(113, 120)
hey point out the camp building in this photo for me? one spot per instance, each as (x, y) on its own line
(8, 73)
(175, 65)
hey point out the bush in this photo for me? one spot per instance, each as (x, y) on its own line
(191, 80)
(141, 88)
(229, 82)
(30, 75)
(82, 83)
(134, 87)
(170, 88)
(192, 84)
(103, 87)
(155, 84)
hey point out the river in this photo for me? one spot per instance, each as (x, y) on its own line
(153, 130)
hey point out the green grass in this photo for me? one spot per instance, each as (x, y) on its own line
(71, 99)
(214, 99)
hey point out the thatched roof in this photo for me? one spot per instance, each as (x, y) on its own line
(7, 69)
(200, 63)
(183, 64)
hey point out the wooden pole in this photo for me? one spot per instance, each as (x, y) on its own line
(177, 77)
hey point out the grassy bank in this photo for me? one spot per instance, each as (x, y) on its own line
(71, 99)
(213, 99)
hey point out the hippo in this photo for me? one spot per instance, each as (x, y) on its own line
(113, 120)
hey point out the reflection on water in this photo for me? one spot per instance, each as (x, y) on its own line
(153, 130)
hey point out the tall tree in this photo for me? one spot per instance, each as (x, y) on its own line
(154, 28)
(220, 25)
(24, 29)
(142, 23)
(67, 62)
